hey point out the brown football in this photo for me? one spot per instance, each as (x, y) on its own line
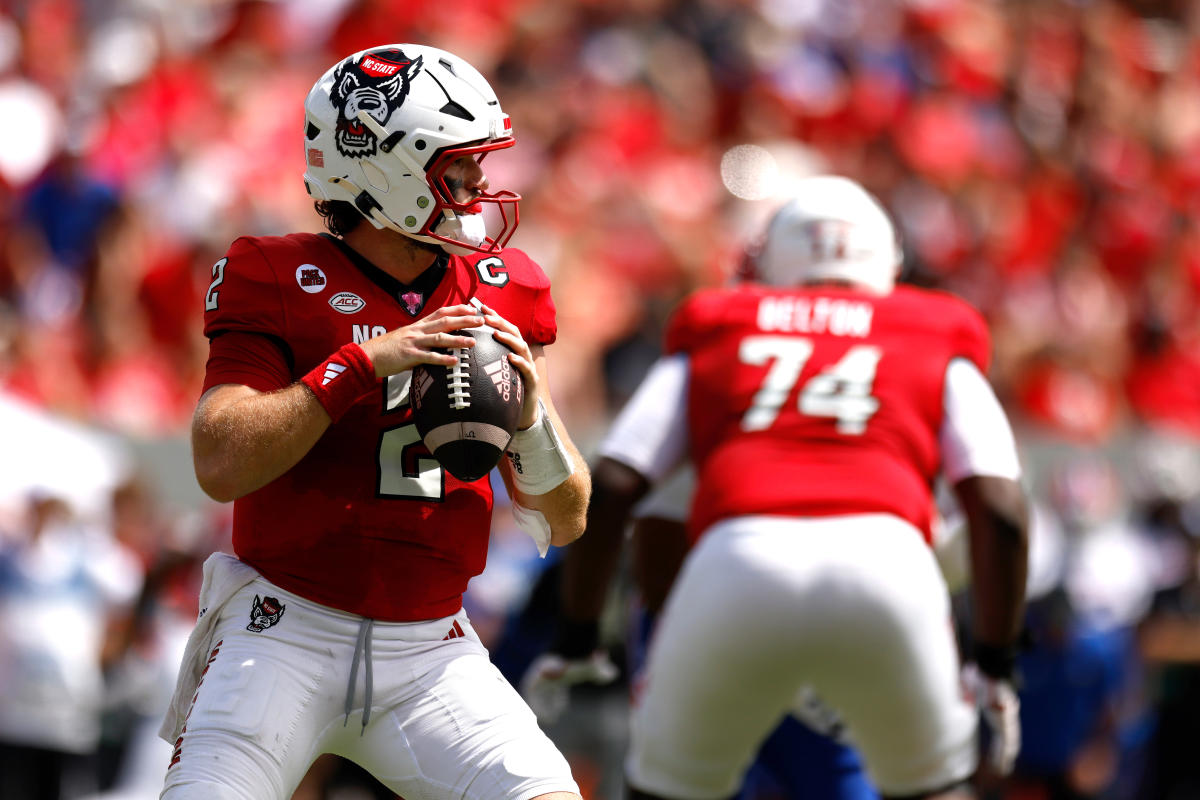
(466, 414)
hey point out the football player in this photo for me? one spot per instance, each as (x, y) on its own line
(339, 628)
(818, 404)
(806, 757)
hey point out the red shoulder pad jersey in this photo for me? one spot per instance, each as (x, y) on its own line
(367, 522)
(819, 401)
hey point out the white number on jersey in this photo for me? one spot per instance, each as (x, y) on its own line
(423, 479)
(841, 391)
(211, 296)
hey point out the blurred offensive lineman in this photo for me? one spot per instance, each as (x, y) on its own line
(339, 626)
(805, 757)
(818, 407)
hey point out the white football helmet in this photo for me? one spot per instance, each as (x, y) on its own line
(831, 229)
(382, 126)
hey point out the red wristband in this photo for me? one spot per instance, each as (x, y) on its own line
(340, 380)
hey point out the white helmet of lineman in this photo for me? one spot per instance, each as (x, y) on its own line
(382, 126)
(831, 229)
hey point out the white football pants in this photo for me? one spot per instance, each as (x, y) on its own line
(440, 722)
(853, 606)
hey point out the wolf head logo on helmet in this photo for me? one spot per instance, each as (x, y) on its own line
(386, 128)
(376, 84)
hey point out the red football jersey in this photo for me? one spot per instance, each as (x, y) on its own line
(367, 522)
(819, 401)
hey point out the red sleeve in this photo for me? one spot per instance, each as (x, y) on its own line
(972, 339)
(531, 281)
(688, 319)
(545, 318)
(244, 295)
(250, 359)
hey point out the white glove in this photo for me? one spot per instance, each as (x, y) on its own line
(1001, 710)
(546, 684)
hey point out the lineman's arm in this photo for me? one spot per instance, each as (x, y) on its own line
(647, 441)
(998, 524)
(590, 564)
(650, 433)
(980, 461)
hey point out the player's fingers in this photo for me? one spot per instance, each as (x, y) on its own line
(498, 322)
(495, 320)
(458, 310)
(447, 339)
(514, 341)
(423, 356)
(449, 323)
(527, 370)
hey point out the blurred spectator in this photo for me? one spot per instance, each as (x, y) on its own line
(59, 585)
(1169, 639)
(1074, 678)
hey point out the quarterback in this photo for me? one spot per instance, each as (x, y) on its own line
(339, 628)
(818, 402)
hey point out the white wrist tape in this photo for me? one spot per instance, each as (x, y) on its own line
(539, 460)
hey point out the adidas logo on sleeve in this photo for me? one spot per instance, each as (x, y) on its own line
(332, 370)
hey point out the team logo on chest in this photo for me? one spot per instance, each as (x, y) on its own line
(310, 278)
(377, 85)
(264, 612)
(347, 303)
(413, 301)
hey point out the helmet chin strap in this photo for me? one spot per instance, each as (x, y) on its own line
(467, 228)
(366, 204)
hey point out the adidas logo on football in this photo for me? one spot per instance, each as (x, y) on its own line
(501, 374)
(332, 370)
(423, 382)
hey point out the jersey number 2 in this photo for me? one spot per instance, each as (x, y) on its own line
(211, 296)
(841, 391)
(406, 470)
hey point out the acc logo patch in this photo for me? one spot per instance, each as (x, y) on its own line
(264, 612)
(347, 302)
(310, 277)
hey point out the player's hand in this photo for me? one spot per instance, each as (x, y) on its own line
(547, 683)
(521, 358)
(1000, 708)
(403, 348)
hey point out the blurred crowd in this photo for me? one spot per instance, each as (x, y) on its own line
(1042, 159)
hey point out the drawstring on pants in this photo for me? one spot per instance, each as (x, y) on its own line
(361, 648)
